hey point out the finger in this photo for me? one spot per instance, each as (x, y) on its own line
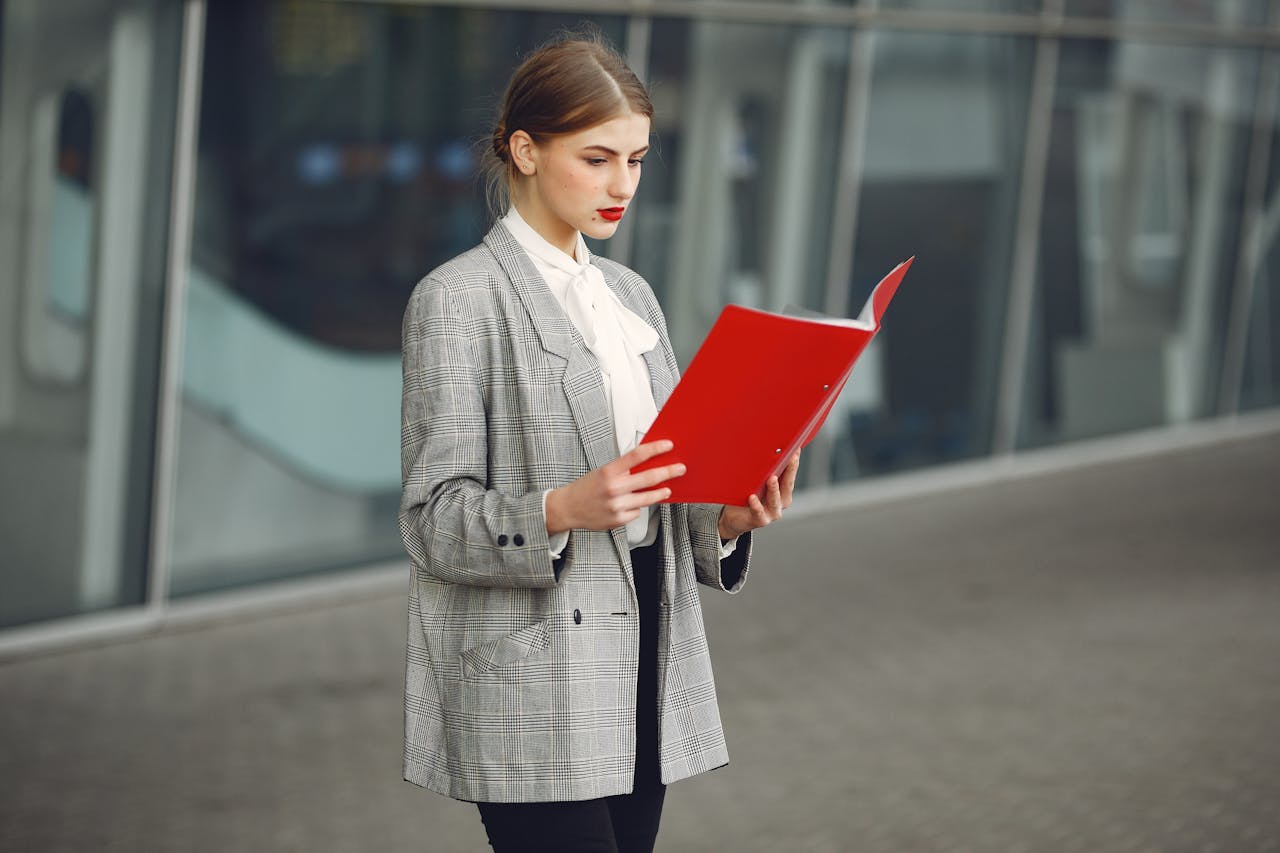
(759, 518)
(789, 480)
(639, 500)
(775, 498)
(644, 452)
(654, 476)
(626, 517)
(789, 475)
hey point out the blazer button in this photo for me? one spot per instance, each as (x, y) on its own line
(518, 539)
(502, 539)
(577, 616)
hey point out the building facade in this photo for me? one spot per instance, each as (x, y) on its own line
(212, 214)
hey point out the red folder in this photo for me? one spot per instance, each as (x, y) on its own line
(758, 389)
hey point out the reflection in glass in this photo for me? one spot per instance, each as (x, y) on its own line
(42, 456)
(1139, 242)
(71, 226)
(994, 6)
(88, 118)
(337, 166)
(62, 207)
(1260, 386)
(736, 201)
(1223, 13)
(941, 178)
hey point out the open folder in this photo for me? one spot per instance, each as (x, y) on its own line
(758, 389)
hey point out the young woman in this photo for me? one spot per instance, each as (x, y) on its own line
(557, 671)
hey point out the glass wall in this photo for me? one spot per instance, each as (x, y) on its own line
(792, 163)
(943, 164)
(735, 206)
(87, 95)
(1141, 230)
(997, 6)
(1260, 356)
(1261, 385)
(337, 165)
(1227, 13)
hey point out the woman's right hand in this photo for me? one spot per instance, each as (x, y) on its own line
(610, 496)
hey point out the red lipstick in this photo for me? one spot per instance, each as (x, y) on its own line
(611, 214)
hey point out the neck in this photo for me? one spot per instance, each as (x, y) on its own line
(549, 226)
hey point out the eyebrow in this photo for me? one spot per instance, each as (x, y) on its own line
(605, 150)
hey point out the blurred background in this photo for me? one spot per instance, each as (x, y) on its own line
(212, 215)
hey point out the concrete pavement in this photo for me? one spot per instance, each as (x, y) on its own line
(1080, 661)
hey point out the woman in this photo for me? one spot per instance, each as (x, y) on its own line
(557, 671)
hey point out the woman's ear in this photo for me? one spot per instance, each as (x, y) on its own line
(523, 153)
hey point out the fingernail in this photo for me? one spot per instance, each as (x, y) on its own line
(680, 469)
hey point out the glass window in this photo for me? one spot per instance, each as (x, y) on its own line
(337, 165)
(995, 6)
(944, 147)
(62, 214)
(735, 204)
(1261, 385)
(1223, 13)
(85, 152)
(1261, 375)
(1140, 236)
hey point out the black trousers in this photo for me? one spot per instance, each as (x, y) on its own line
(627, 823)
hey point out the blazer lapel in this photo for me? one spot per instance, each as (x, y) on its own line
(583, 386)
(661, 377)
(555, 332)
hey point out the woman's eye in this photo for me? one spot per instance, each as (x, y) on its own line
(635, 162)
(596, 161)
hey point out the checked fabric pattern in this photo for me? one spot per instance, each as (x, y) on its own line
(520, 674)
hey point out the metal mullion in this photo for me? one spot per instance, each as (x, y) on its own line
(844, 213)
(639, 35)
(853, 148)
(1251, 248)
(1026, 247)
(182, 202)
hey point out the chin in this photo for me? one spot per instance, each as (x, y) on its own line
(598, 229)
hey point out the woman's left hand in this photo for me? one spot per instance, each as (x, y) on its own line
(736, 520)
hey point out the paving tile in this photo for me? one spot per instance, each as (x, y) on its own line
(1086, 660)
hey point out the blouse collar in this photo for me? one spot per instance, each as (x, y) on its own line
(538, 246)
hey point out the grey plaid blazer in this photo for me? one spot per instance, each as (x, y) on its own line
(520, 674)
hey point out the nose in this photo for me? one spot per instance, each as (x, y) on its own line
(622, 181)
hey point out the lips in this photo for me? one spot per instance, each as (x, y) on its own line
(611, 214)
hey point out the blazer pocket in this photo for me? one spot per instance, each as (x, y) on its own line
(483, 658)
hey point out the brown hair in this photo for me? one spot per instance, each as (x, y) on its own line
(573, 83)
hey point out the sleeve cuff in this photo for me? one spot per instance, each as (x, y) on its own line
(557, 541)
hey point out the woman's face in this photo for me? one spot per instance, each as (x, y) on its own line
(581, 181)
